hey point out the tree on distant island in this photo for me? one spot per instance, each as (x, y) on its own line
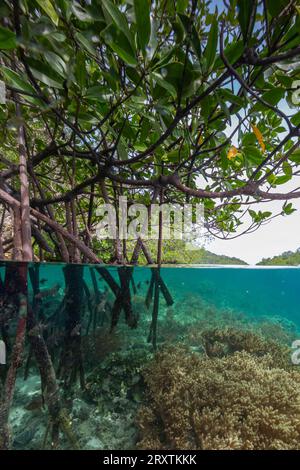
(288, 258)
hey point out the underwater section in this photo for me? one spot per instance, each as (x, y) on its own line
(109, 357)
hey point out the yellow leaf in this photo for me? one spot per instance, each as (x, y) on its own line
(259, 137)
(232, 152)
(200, 139)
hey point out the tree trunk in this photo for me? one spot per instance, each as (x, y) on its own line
(17, 254)
(59, 419)
(62, 247)
(1, 228)
(20, 287)
(71, 363)
(156, 275)
(11, 201)
(75, 231)
(1, 248)
(24, 190)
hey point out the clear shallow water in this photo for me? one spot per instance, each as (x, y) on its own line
(98, 326)
(253, 290)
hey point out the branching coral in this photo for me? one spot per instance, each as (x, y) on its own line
(279, 328)
(119, 376)
(102, 343)
(222, 342)
(236, 402)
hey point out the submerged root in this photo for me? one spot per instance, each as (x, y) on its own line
(62, 423)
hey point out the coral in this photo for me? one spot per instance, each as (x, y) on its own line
(97, 346)
(236, 402)
(222, 342)
(170, 330)
(119, 378)
(284, 330)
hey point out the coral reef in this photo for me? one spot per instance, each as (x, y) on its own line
(222, 378)
(279, 328)
(119, 378)
(240, 401)
(223, 342)
(99, 345)
(96, 427)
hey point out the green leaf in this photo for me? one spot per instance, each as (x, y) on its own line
(7, 39)
(81, 13)
(212, 43)
(295, 157)
(99, 93)
(253, 154)
(45, 73)
(177, 154)
(225, 109)
(172, 156)
(140, 147)
(14, 79)
(276, 7)
(288, 173)
(121, 149)
(49, 9)
(253, 214)
(232, 52)
(287, 169)
(164, 60)
(164, 84)
(244, 16)
(133, 75)
(182, 5)
(174, 73)
(296, 119)
(152, 46)
(142, 18)
(119, 44)
(178, 31)
(281, 179)
(227, 94)
(249, 139)
(21, 85)
(85, 43)
(288, 208)
(271, 96)
(56, 63)
(119, 19)
(87, 118)
(80, 71)
(145, 130)
(185, 20)
(259, 216)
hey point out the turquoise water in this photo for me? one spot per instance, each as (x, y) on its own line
(92, 330)
(255, 291)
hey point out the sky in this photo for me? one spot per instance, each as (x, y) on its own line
(280, 234)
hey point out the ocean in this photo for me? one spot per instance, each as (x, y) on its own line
(110, 357)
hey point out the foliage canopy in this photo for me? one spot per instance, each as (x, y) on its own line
(195, 99)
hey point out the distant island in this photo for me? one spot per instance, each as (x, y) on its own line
(176, 252)
(288, 258)
(207, 257)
